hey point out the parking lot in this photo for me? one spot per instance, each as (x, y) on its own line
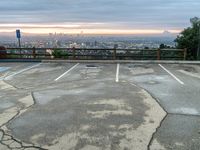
(99, 106)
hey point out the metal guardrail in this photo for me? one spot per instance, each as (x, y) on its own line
(92, 54)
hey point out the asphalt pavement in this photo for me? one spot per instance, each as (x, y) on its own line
(99, 106)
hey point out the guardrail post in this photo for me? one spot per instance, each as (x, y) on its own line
(159, 54)
(185, 54)
(142, 55)
(3, 52)
(74, 52)
(114, 53)
(34, 54)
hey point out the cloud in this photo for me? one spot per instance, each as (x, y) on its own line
(139, 14)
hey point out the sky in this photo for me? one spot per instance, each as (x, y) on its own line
(97, 16)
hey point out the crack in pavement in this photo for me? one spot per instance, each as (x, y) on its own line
(153, 135)
(8, 140)
(157, 101)
(11, 143)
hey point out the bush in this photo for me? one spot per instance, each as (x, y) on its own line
(60, 54)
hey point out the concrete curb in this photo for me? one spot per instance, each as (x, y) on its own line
(102, 61)
(122, 61)
(19, 60)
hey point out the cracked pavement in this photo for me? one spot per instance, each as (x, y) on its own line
(86, 109)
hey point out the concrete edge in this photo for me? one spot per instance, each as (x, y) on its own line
(19, 60)
(122, 61)
(102, 61)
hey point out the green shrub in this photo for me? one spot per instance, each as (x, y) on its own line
(60, 54)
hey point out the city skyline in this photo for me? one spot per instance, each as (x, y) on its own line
(97, 17)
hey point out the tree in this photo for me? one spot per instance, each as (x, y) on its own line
(189, 38)
(163, 46)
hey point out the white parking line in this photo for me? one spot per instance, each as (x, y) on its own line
(21, 71)
(117, 73)
(177, 79)
(66, 72)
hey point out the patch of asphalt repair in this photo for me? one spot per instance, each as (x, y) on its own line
(89, 132)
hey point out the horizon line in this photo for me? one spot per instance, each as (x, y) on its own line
(95, 32)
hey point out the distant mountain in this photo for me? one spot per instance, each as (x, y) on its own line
(168, 33)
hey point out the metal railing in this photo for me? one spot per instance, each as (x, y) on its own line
(92, 54)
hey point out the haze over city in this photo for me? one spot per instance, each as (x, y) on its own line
(97, 17)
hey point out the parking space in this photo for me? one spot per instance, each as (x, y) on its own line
(100, 106)
(37, 75)
(7, 69)
(90, 72)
